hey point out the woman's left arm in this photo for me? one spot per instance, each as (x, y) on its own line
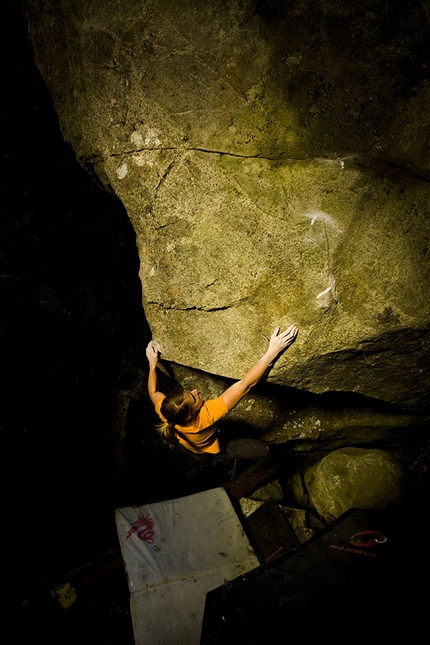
(153, 391)
(278, 344)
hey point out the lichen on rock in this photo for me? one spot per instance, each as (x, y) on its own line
(368, 479)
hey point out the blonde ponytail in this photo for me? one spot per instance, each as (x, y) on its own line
(167, 432)
(176, 410)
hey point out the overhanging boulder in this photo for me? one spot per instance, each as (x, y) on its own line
(266, 185)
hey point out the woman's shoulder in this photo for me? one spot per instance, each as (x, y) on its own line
(215, 407)
(158, 403)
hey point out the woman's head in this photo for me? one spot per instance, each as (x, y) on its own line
(181, 405)
(178, 407)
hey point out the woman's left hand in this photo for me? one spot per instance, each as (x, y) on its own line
(280, 342)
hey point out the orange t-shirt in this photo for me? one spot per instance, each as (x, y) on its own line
(202, 433)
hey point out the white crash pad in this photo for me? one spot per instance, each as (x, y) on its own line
(174, 552)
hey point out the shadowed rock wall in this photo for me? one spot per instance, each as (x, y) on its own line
(273, 159)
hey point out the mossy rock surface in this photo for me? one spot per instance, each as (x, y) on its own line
(355, 478)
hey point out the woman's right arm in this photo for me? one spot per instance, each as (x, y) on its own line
(153, 391)
(278, 344)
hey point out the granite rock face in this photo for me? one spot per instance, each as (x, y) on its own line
(273, 160)
(355, 478)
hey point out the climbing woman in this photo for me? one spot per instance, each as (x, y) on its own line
(190, 422)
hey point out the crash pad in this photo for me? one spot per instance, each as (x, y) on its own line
(175, 552)
(352, 574)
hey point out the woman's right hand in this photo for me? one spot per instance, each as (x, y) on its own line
(151, 354)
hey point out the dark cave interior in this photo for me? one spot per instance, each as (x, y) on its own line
(70, 315)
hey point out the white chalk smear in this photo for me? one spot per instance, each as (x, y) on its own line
(136, 139)
(331, 287)
(320, 295)
(320, 216)
(122, 171)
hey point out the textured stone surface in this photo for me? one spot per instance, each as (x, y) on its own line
(355, 478)
(271, 490)
(248, 506)
(304, 524)
(273, 159)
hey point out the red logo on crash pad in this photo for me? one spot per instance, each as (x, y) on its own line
(144, 529)
(368, 538)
